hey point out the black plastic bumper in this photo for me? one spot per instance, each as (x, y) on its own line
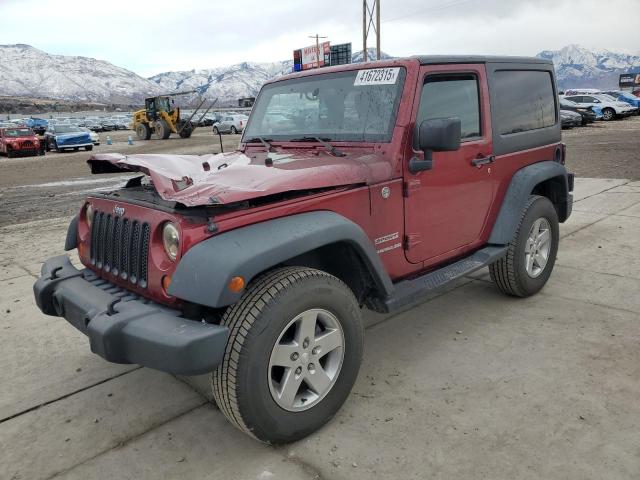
(125, 328)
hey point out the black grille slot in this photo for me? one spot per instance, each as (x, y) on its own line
(121, 246)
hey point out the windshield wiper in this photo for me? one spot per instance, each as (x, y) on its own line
(330, 148)
(263, 141)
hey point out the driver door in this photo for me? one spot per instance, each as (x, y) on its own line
(446, 208)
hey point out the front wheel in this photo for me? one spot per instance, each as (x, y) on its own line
(216, 131)
(532, 252)
(88, 148)
(233, 130)
(293, 354)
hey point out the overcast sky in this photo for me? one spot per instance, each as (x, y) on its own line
(150, 37)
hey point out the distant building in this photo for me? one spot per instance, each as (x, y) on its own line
(246, 102)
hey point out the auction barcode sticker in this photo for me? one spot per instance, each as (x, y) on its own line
(377, 76)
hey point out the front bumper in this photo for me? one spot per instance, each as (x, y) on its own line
(125, 328)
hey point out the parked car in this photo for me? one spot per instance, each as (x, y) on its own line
(611, 108)
(108, 124)
(626, 97)
(95, 138)
(38, 125)
(257, 271)
(570, 119)
(18, 141)
(587, 114)
(93, 125)
(230, 124)
(63, 137)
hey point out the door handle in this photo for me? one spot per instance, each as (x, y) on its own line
(476, 162)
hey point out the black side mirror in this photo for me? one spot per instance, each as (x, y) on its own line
(436, 135)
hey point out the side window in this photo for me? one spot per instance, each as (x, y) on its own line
(452, 95)
(524, 100)
(588, 99)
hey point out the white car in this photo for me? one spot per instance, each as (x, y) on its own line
(95, 138)
(611, 108)
(230, 124)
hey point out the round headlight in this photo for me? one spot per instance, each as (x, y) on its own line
(171, 240)
(88, 215)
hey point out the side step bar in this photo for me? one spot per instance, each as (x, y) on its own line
(407, 291)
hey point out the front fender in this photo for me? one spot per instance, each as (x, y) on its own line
(205, 270)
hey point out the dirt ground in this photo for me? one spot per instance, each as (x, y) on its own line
(52, 186)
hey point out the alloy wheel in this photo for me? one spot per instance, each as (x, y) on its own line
(306, 359)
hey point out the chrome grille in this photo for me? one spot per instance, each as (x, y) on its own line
(120, 246)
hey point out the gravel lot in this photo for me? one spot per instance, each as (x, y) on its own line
(53, 186)
(466, 384)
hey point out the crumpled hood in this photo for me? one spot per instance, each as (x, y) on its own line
(225, 178)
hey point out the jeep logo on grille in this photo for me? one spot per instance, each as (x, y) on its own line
(118, 210)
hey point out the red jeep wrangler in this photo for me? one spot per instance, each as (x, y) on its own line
(359, 185)
(19, 141)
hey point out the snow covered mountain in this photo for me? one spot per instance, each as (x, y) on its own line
(578, 67)
(228, 84)
(27, 71)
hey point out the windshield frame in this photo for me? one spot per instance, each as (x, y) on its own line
(22, 132)
(385, 137)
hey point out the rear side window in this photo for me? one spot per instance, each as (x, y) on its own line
(524, 100)
(452, 96)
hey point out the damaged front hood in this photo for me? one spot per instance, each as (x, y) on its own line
(225, 178)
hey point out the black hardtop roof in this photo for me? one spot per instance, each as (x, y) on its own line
(440, 59)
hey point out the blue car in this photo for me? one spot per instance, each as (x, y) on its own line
(625, 97)
(63, 137)
(38, 125)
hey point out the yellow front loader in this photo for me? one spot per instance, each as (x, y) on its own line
(161, 117)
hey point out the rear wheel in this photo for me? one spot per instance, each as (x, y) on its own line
(608, 114)
(10, 154)
(143, 132)
(216, 131)
(162, 130)
(88, 148)
(532, 252)
(293, 354)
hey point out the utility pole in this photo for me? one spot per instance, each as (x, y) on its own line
(317, 37)
(370, 18)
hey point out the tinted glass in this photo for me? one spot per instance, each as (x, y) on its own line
(18, 132)
(452, 96)
(335, 106)
(524, 100)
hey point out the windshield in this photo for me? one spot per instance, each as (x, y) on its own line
(358, 105)
(18, 132)
(66, 129)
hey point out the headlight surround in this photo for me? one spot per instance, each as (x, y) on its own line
(88, 215)
(171, 240)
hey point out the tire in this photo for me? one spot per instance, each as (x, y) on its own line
(76, 149)
(162, 130)
(245, 384)
(143, 132)
(510, 273)
(608, 114)
(10, 154)
(233, 130)
(215, 131)
(89, 148)
(185, 130)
